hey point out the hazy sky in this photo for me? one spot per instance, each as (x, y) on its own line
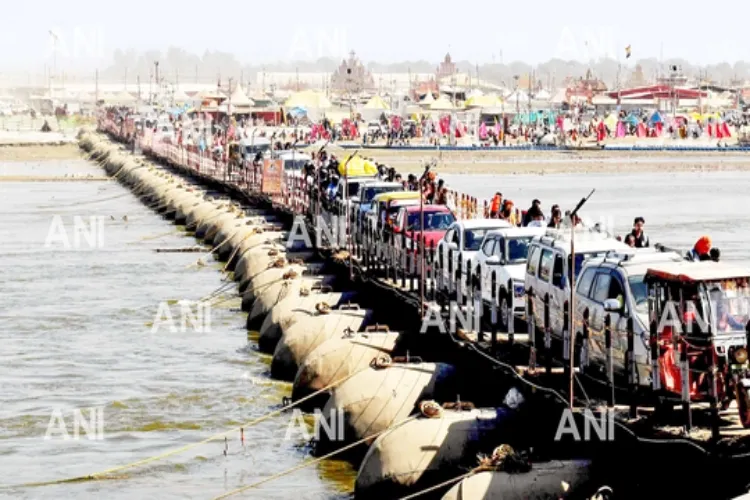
(385, 31)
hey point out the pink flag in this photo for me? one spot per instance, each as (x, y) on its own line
(483, 131)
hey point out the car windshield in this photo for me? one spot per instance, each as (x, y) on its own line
(517, 250)
(729, 304)
(473, 239)
(256, 148)
(353, 189)
(372, 192)
(294, 164)
(639, 290)
(432, 221)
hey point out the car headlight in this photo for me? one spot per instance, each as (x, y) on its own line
(518, 289)
(740, 355)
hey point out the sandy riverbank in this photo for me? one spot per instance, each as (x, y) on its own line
(39, 152)
(541, 162)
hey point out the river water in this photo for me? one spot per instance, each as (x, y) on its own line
(78, 333)
(679, 207)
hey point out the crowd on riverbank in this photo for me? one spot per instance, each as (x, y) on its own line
(572, 127)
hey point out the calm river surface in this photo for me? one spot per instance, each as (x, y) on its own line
(679, 207)
(77, 333)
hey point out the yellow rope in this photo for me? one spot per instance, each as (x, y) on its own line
(210, 252)
(102, 474)
(307, 463)
(234, 252)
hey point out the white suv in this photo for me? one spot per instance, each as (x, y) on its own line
(503, 257)
(464, 237)
(614, 285)
(548, 269)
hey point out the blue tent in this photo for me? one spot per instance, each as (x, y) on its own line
(655, 118)
(297, 112)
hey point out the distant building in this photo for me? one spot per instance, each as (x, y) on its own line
(583, 89)
(637, 78)
(446, 68)
(352, 77)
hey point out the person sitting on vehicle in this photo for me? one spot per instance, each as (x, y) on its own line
(715, 254)
(641, 240)
(701, 250)
(630, 240)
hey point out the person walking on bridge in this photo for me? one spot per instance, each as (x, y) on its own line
(496, 205)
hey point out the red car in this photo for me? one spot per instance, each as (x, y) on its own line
(437, 220)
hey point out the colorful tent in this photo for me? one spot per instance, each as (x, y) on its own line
(357, 167)
(483, 101)
(377, 102)
(442, 104)
(308, 99)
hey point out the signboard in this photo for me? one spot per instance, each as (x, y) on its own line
(272, 177)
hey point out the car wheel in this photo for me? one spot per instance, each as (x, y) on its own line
(504, 314)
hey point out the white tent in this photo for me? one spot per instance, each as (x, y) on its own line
(239, 98)
(519, 95)
(441, 104)
(181, 97)
(427, 99)
(543, 95)
(559, 97)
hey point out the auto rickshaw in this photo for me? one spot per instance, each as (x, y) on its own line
(699, 315)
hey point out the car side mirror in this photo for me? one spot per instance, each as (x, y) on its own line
(493, 260)
(612, 305)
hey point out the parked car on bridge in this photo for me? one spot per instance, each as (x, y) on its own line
(502, 260)
(463, 238)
